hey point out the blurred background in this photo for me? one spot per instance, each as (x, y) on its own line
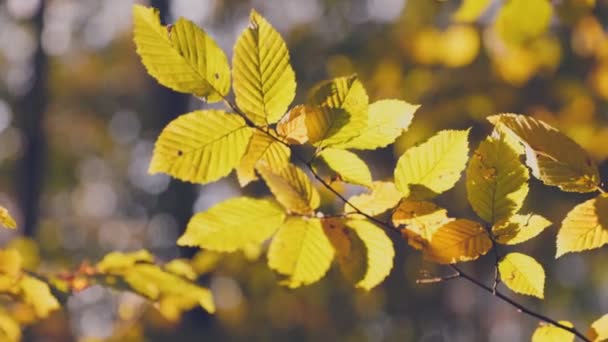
(79, 116)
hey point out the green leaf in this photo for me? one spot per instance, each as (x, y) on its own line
(182, 57)
(337, 111)
(554, 158)
(550, 333)
(262, 148)
(470, 10)
(379, 252)
(233, 224)
(456, 241)
(347, 165)
(519, 228)
(585, 227)
(497, 182)
(292, 188)
(201, 146)
(264, 82)
(383, 196)
(387, 120)
(433, 166)
(599, 329)
(301, 251)
(521, 20)
(522, 274)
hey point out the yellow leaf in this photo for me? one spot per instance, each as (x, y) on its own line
(182, 57)
(347, 165)
(205, 261)
(434, 166)
(201, 146)
(420, 220)
(6, 220)
(599, 329)
(497, 182)
(585, 227)
(293, 126)
(351, 253)
(456, 241)
(182, 268)
(550, 333)
(383, 196)
(10, 331)
(379, 251)
(171, 288)
(301, 251)
(519, 228)
(292, 188)
(264, 82)
(262, 147)
(470, 10)
(554, 158)
(10, 262)
(521, 20)
(118, 260)
(522, 274)
(28, 249)
(337, 111)
(233, 224)
(37, 293)
(387, 120)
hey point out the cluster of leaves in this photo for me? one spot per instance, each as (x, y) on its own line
(32, 295)
(255, 139)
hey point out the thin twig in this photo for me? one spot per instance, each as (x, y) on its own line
(438, 279)
(599, 188)
(518, 306)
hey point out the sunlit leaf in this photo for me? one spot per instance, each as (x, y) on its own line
(520, 20)
(387, 120)
(585, 227)
(433, 166)
(519, 228)
(172, 292)
(522, 274)
(6, 220)
(37, 293)
(550, 333)
(292, 188)
(497, 182)
(182, 268)
(201, 146)
(10, 331)
(233, 224)
(337, 111)
(599, 329)
(380, 252)
(383, 196)
(553, 157)
(264, 82)
(347, 165)
(470, 10)
(29, 251)
(419, 220)
(456, 241)
(10, 262)
(262, 148)
(293, 126)
(350, 251)
(301, 251)
(182, 57)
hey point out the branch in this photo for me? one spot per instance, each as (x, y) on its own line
(518, 306)
(459, 273)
